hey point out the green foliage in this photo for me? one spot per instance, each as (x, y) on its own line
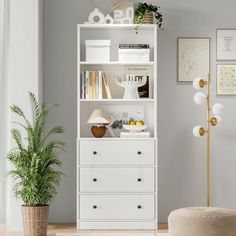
(35, 157)
(143, 8)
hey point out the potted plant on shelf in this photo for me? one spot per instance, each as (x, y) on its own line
(34, 161)
(145, 14)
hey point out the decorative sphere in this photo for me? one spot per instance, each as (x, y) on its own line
(217, 109)
(200, 98)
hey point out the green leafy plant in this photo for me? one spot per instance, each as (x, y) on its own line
(35, 157)
(143, 8)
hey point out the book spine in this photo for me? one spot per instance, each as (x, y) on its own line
(135, 46)
(100, 84)
(86, 84)
(82, 84)
(97, 85)
(93, 84)
(90, 85)
(107, 89)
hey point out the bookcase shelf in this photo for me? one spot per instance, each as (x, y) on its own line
(113, 63)
(118, 100)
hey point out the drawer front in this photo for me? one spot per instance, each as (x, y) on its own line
(117, 207)
(117, 179)
(122, 152)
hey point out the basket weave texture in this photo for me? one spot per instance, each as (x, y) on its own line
(35, 220)
(147, 18)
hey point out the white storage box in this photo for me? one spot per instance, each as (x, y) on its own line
(97, 50)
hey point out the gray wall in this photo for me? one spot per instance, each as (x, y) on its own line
(182, 158)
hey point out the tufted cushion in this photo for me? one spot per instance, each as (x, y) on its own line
(202, 221)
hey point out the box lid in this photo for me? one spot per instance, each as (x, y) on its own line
(97, 43)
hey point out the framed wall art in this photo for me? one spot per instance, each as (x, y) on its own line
(226, 79)
(226, 44)
(193, 58)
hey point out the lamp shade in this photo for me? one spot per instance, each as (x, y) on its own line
(198, 83)
(198, 131)
(200, 98)
(216, 120)
(98, 117)
(217, 109)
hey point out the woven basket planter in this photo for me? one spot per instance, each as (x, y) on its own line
(147, 18)
(35, 220)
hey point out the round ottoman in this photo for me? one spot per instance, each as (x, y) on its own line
(202, 221)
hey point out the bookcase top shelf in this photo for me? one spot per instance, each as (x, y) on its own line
(117, 26)
(118, 100)
(150, 63)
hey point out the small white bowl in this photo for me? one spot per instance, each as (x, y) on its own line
(135, 128)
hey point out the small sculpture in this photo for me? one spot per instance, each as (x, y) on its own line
(95, 17)
(109, 19)
(131, 84)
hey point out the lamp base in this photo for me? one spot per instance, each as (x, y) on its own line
(98, 131)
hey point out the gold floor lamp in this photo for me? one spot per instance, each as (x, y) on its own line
(213, 119)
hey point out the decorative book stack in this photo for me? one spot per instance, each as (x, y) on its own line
(134, 53)
(92, 85)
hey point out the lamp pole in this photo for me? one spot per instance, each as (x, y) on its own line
(208, 142)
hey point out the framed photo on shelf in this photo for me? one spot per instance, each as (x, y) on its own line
(193, 58)
(226, 79)
(226, 44)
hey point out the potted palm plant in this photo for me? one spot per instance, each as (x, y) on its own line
(35, 163)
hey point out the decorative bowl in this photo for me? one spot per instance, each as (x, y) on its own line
(135, 128)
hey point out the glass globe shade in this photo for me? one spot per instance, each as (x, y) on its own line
(198, 131)
(216, 120)
(200, 98)
(217, 109)
(198, 83)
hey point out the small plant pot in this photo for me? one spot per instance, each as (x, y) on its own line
(147, 18)
(35, 220)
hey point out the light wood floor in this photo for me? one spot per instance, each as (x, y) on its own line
(60, 228)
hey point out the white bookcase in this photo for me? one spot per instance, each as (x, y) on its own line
(117, 177)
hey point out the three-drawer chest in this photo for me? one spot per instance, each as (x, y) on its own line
(117, 184)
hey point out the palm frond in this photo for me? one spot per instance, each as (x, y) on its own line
(34, 174)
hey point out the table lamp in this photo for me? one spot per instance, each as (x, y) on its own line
(99, 119)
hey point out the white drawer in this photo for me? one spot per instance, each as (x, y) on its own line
(123, 152)
(117, 179)
(117, 207)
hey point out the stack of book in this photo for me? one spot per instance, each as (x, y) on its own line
(134, 53)
(92, 85)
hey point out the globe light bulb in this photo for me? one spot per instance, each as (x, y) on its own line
(200, 98)
(217, 109)
(199, 83)
(198, 131)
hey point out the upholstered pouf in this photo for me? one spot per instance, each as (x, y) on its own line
(202, 221)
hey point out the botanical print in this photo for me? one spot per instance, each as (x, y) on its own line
(226, 79)
(193, 57)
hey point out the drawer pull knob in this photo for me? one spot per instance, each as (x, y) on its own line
(139, 206)
(139, 179)
(94, 207)
(94, 153)
(139, 152)
(94, 180)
